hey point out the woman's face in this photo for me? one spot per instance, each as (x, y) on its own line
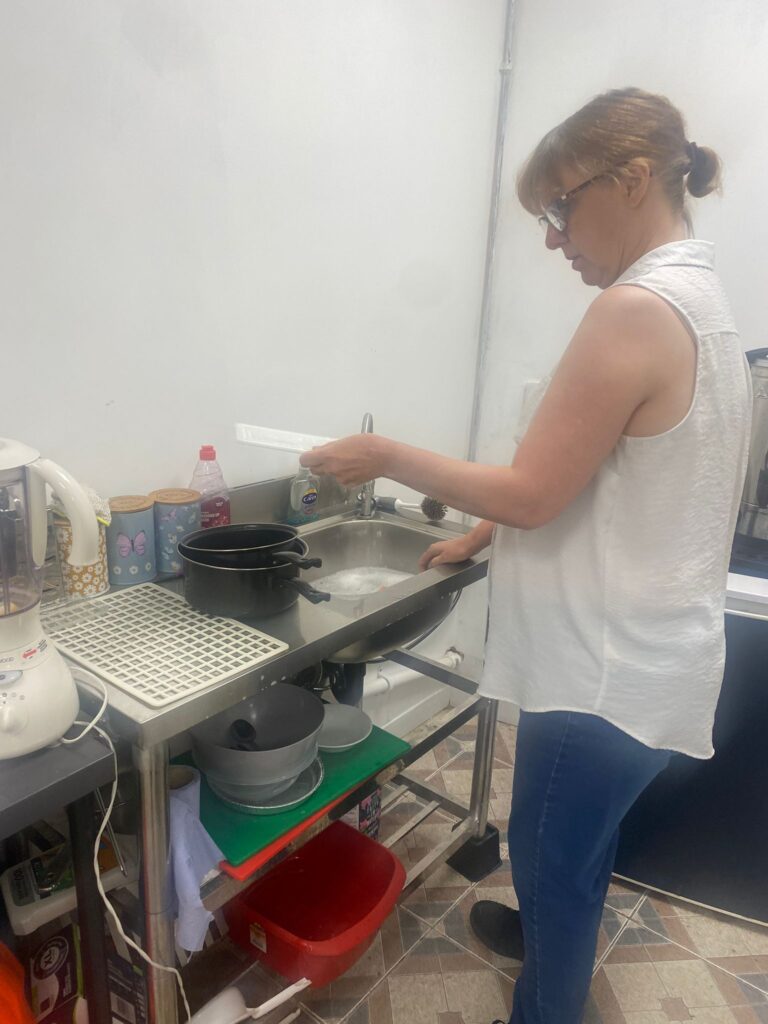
(594, 240)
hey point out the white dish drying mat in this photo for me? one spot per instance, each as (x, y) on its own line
(148, 641)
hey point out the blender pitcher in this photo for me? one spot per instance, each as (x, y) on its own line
(38, 697)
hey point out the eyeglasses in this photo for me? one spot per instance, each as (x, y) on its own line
(557, 212)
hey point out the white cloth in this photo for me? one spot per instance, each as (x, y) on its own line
(193, 855)
(616, 608)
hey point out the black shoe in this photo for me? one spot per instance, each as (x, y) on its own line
(498, 927)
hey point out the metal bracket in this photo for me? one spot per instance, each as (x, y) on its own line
(467, 682)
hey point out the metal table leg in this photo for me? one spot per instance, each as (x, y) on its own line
(480, 854)
(152, 764)
(483, 767)
(90, 914)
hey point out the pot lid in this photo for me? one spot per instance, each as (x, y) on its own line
(14, 454)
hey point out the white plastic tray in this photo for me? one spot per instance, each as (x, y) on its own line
(148, 641)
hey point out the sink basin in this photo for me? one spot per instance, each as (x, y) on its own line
(389, 544)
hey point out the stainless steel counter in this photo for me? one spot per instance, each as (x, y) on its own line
(312, 632)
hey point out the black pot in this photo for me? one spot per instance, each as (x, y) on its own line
(244, 592)
(252, 558)
(249, 544)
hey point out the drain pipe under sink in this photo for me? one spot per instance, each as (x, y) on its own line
(389, 678)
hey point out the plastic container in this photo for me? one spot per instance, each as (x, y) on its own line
(209, 481)
(29, 909)
(14, 1008)
(317, 912)
(302, 504)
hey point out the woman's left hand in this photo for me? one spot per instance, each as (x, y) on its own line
(352, 460)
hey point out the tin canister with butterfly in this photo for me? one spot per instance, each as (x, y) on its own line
(131, 540)
(177, 513)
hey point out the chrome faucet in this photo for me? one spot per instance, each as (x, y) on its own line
(367, 502)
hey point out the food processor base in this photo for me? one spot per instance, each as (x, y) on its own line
(37, 708)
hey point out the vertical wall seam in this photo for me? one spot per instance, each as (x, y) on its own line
(483, 339)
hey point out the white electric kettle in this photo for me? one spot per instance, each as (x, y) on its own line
(38, 697)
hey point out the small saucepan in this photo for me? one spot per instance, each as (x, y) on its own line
(247, 591)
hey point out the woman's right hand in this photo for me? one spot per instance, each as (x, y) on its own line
(446, 552)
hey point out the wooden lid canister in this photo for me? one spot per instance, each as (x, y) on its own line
(175, 496)
(131, 503)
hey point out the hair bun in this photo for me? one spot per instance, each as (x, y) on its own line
(703, 171)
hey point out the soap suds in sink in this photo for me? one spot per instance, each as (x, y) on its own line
(361, 581)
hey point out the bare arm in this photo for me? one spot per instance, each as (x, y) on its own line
(481, 536)
(616, 364)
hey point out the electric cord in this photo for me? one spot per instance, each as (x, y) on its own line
(254, 1013)
(93, 724)
(90, 679)
(110, 909)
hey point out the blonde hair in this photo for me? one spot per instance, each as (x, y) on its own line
(610, 131)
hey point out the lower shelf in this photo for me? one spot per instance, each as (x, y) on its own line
(242, 837)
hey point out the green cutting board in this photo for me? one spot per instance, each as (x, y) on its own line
(240, 836)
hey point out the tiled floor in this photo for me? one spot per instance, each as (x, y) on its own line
(658, 960)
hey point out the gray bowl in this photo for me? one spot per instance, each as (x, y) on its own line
(286, 721)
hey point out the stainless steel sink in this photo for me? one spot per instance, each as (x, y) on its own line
(382, 542)
(341, 630)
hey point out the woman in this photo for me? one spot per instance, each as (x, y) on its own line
(614, 523)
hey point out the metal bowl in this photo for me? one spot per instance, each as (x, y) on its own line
(286, 721)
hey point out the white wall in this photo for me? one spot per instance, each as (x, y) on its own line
(275, 211)
(251, 210)
(709, 57)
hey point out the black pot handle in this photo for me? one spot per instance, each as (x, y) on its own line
(296, 559)
(306, 590)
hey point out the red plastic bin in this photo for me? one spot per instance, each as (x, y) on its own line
(314, 915)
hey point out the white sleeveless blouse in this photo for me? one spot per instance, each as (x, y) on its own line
(616, 608)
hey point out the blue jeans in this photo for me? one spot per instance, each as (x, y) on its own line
(576, 776)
